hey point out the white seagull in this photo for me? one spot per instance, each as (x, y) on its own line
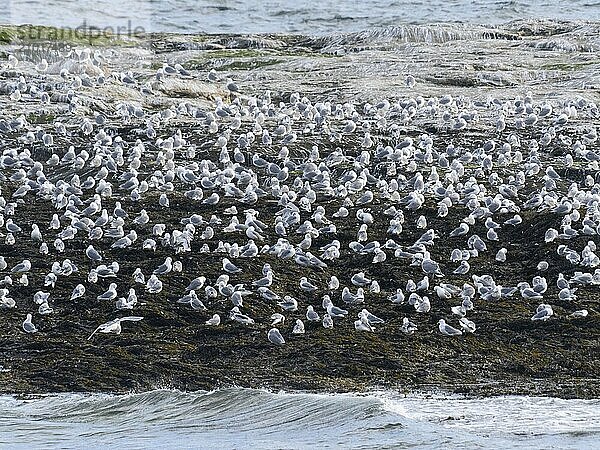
(114, 326)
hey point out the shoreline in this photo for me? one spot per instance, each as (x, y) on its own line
(518, 388)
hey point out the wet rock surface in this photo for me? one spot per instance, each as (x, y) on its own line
(173, 347)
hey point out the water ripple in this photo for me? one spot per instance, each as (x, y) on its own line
(285, 15)
(248, 418)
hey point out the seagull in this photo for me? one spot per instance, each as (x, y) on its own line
(229, 267)
(543, 312)
(114, 326)
(44, 308)
(447, 330)
(408, 327)
(306, 285)
(349, 127)
(567, 294)
(422, 304)
(461, 230)
(125, 303)
(459, 310)
(429, 266)
(236, 298)
(350, 298)
(110, 294)
(214, 321)
(311, 314)
(359, 279)
(333, 311)
(371, 318)
(334, 283)
(375, 288)
(41, 297)
(423, 285)
(397, 297)
(501, 255)
(192, 299)
(154, 285)
(288, 304)
(268, 294)
(23, 266)
(7, 302)
(298, 327)
(579, 313)
(236, 315)
(212, 75)
(93, 254)
(29, 327)
(277, 318)
(196, 284)
(165, 267)
(275, 337)
(363, 324)
(265, 281)
(12, 227)
(467, 325)
(516, 220)
(138, 276)
(36, 234)
(561, 282)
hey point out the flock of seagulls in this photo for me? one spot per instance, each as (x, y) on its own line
(271, 187)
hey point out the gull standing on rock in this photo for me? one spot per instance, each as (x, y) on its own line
(237, 316)
(467, 325)
(277, 318)
(359, 279)
(579, 313)
(165, 267)
(110, 294)
(275, 337)
(214, 321)
(298, 327)
(362, 324)
(29, 327)
(154, 285)
(288, 304)
(23, 266)
(311, 314)
(334, 283)
(333, 310)
(448, 330)
(93, 254)
(78, 291)
(371, 318)
(543, 312)
(408, 327)
(306, 285)
(229, 267)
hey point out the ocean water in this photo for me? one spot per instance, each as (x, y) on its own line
(289, 16)
(247, 418)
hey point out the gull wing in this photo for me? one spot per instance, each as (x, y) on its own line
(131, 318)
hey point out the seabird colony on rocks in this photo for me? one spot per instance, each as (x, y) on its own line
(244, 195)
